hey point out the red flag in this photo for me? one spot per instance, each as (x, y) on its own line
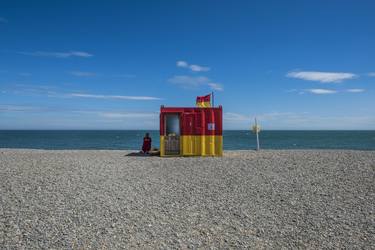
(204, 101)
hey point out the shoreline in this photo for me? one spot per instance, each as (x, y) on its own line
(225, 150)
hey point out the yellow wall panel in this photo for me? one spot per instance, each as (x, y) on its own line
(197, 145)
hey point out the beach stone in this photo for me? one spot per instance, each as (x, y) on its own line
(268, 199)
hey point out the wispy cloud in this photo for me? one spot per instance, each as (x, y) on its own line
(115, 97)
(321, 91)
(58, 54)
(55, 92)
(121, 115)
(91, 74)
(194, 82)
(102, 113)
(61, 117)
(197, 68)
(324, 77)
(18, 108)
(82, 73)
(216, 86)
(189, 81)
(3, 20)
(30, 89)
(326, 91)
(371, 74)
(192, 67)
(355, 90)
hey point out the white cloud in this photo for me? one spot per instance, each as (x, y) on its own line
(192, 67)
(195, 82)
(182, 64)
(216, 86)
(115, 97)
(321, 91)
(197, 68)
(355, 90)
(371, 74)
(58, 54)
(3, 20)
(82, 73)
(324, 77)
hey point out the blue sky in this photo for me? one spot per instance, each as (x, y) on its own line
(111, 64)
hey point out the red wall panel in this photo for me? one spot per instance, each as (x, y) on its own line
(195, 121)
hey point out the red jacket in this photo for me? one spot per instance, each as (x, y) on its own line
(146, 144)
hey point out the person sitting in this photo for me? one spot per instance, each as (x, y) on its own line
(146, 147)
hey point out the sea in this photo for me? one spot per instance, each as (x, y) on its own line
(232, 139)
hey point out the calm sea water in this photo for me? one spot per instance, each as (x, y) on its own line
(130, 139)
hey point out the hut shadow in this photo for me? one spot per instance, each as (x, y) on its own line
(140, 154)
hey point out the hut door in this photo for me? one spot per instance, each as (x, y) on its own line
(188, 128)
(188, 121)
(172, 134)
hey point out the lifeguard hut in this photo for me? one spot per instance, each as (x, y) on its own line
(195, 131)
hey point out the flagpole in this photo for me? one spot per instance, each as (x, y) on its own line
(257, 132)
(213, 103)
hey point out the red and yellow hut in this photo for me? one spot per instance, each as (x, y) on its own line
(195, 131)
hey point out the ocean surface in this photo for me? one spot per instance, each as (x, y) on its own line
(233, 140)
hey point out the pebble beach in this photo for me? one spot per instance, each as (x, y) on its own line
(90, 199)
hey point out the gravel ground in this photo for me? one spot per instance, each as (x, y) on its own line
(268, 199)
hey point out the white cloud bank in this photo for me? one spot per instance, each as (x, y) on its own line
(115, 97)
(192, 67)
(58, 54)
(195, 82)
(324, 77)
